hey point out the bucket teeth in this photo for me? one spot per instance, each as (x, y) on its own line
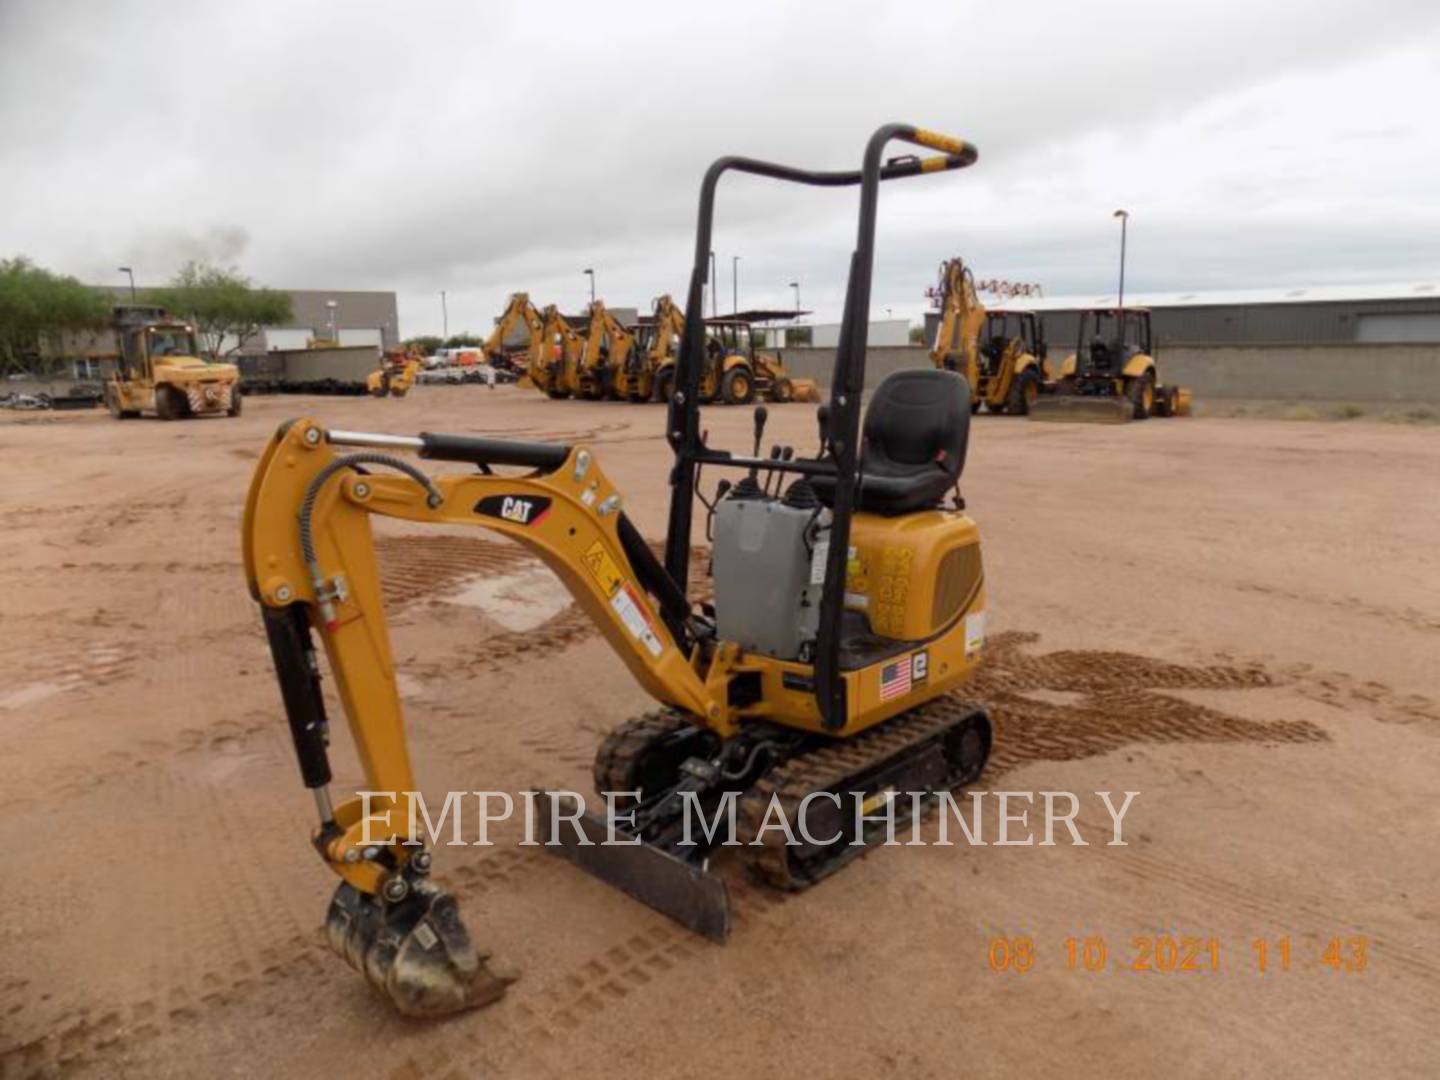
(416, 952)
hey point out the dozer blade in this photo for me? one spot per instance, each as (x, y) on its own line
(1083, 409)
(416, 952)
(659, 880)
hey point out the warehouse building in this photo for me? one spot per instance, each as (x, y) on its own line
(1315, 315)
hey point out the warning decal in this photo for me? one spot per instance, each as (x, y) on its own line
(632, 614)
(602, 568)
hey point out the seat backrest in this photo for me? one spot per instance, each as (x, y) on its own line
(919, 419)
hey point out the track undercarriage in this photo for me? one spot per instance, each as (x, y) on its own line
(797, 806)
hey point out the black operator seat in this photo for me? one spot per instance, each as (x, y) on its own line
(916, 431)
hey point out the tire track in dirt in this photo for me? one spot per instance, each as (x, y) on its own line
(1119, 703)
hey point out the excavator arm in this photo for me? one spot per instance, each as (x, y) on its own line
(519, 310)
(555, 354)
(957, 341)
(311, 565)
(607, 346)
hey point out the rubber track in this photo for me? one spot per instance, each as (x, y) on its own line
(621, 746)
(827, 768)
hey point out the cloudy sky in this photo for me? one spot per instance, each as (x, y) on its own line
(483, 148)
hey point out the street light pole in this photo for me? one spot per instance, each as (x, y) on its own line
(734, 284)
(127, 270)
(796, 286)
(592, 285)
(444, 317)
(1124, 216)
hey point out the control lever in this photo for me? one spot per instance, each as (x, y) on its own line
(761, 414)
(721, 490)
(774, 457)
(822, 419)
(786, 454)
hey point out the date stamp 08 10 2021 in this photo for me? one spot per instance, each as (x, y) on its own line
(1179, 953)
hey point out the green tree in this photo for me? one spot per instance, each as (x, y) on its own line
(917, 335)
(37, 307)
(427, 343)
(798, 335)
(463, 341)
(222, 303)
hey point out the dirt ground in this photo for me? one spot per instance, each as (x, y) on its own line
(1237, 618)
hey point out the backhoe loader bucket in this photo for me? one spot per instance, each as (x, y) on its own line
(416, 952)
(1082, 409)
(807, 390)
(664, 882)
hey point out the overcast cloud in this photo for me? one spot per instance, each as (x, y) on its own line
(483, 148)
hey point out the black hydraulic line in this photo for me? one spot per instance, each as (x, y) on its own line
(674, 606)
(288, 631)
(479, 450)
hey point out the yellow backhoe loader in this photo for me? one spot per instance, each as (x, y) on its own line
(553, 366)
(744, 372)
(518, 312)
(657, 342)
(1012, 371)
(957, 339)
(159, 368)
(812, 700)
(608, 349)
(665, 354)
(1112, 377)
(396, 374)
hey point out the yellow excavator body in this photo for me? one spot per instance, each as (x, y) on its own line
(848, 607)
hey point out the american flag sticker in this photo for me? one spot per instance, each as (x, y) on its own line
(895, 679)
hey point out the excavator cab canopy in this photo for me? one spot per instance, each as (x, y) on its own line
(839, 456)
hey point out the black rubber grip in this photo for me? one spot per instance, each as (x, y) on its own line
(479, 450)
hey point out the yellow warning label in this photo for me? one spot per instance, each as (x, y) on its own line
(602, 568)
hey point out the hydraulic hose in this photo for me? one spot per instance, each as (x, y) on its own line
(312, 494)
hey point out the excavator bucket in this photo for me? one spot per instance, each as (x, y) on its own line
(416, 952)
(664, 882)
(1082, 409)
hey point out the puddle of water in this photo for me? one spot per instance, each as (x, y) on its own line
(519, 601)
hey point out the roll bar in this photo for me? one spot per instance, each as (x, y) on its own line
(846, 384)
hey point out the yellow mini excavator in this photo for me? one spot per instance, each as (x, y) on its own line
(849, 606)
